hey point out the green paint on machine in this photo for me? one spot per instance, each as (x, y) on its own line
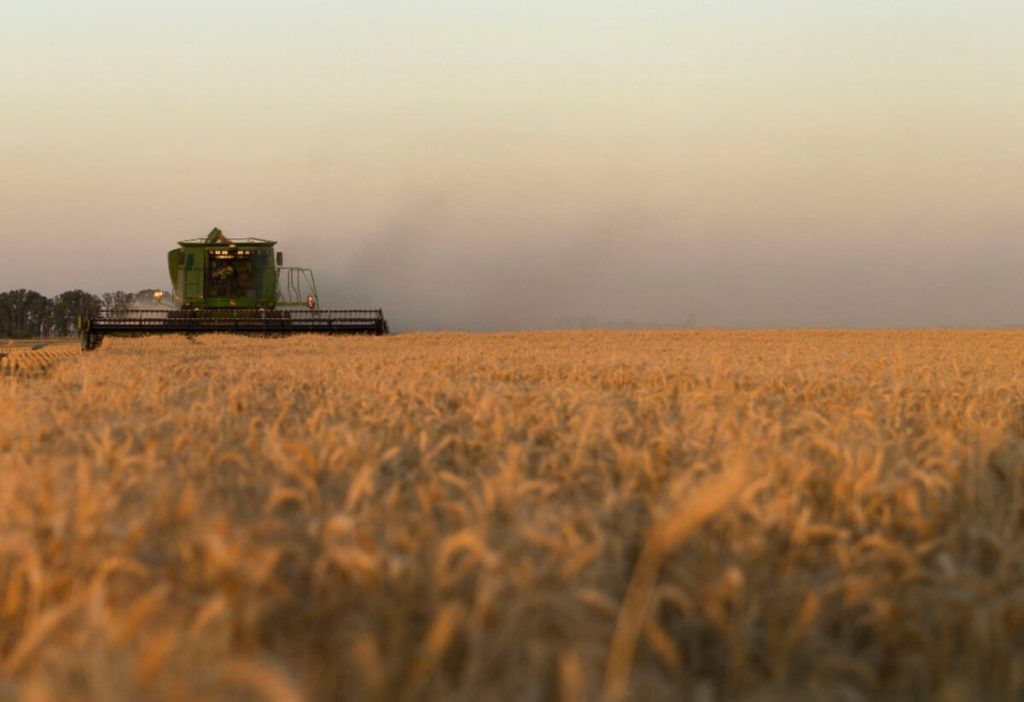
(220, 273)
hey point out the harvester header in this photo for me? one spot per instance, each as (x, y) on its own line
(234, 285)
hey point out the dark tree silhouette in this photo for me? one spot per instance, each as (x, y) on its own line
(68, 307)
(26, 313)
(23, 314)
(118, 301)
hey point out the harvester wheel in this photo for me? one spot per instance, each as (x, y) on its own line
(90, 342)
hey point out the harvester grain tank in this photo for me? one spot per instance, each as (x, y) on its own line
(234, 286)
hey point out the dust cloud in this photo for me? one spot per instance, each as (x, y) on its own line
(634, 270)
(428, 277)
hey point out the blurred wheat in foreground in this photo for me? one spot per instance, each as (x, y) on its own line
(545, 516)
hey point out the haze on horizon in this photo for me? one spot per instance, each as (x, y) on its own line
(469, 164)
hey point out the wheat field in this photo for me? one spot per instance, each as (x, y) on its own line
(572, 516)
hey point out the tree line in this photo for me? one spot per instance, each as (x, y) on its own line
(26, 314)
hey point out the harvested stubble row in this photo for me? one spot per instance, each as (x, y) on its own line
(565, 516)
(27, 361)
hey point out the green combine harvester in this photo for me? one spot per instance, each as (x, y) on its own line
(237, 286)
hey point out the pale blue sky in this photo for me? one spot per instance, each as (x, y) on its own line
(531, 161)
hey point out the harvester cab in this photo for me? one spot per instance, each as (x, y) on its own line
(220, 273)
(234, 286)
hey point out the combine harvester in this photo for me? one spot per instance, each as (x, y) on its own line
(235, 286)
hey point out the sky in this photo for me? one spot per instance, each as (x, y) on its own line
(475, 164)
